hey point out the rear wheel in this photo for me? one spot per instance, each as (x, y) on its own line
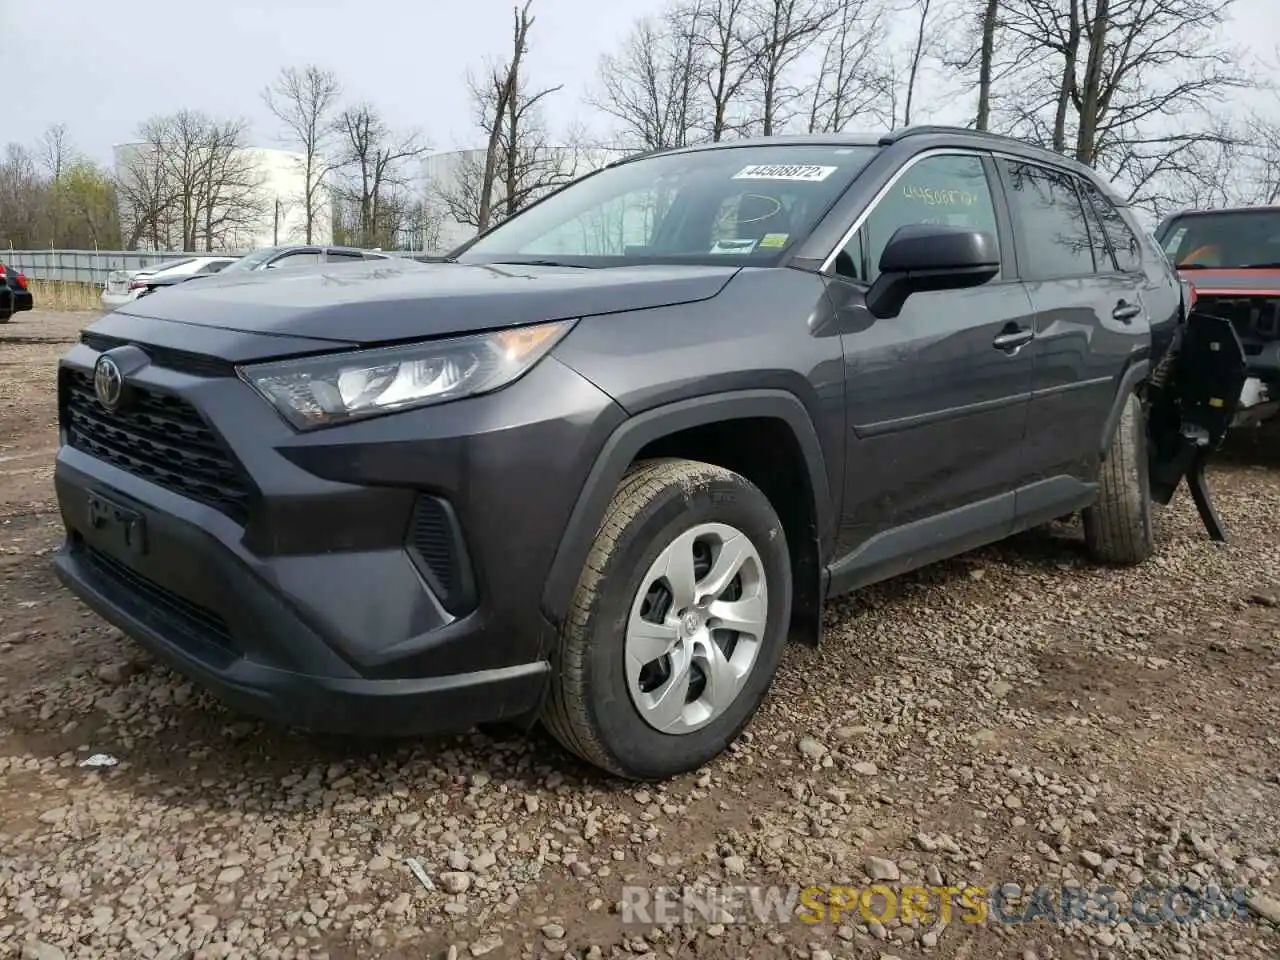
(677, 625)
(1118, 528)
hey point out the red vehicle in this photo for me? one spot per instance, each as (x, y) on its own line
(1231, 258)
(15, 294)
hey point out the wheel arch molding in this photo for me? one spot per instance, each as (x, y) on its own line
(633, 435)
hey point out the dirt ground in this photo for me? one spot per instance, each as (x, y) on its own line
(1015, 716)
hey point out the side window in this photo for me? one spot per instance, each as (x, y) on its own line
(1124, 243)
(1102, 259)
(291, 261)
(950, 190)
(213, 266)
(342, 256)
(1047, 209)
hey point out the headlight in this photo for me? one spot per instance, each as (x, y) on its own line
(334, 388)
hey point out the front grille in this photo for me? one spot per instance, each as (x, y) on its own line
(157, 601)
(158, 437)
(184, 361)
(436, 545)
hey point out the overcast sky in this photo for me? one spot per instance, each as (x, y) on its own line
(102, 66)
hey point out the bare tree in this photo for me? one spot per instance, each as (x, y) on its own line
(146, 195)
(518, 164)
(652, 86)
(851, 79)
(780, 34)
(921, 9)
(305, 100)
(986, 62)
(1114, 83)
(190, 182)
(21, 198)
(722, 32)
(373, 162)
(55, 154)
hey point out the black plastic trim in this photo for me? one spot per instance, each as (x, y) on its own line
(634, 434)
(458, 596)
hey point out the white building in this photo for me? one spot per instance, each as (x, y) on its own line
(270, 202)
(449, 175)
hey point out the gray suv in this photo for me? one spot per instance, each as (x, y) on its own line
(599, 466)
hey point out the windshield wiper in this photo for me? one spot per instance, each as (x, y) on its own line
(1260, 266)
(539, 263)
(1196, 266)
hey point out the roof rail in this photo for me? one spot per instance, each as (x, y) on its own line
(639, 155)
(923, 129)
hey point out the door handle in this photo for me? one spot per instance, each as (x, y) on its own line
(1124, 312)
(1013, 339)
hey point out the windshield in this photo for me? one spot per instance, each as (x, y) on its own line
(739, 205)
(1236, 238)
(251, 260)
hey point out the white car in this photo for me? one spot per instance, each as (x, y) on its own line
(123, 287)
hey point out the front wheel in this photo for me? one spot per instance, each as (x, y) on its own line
(1118, 528)
(677, 625)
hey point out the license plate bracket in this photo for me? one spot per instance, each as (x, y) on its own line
(124, 529)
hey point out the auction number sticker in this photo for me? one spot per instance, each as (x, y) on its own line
(811, 173)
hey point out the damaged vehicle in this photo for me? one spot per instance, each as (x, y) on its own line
(597, 468)
(1231, 258)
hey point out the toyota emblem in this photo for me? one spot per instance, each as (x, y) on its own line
(108, 382)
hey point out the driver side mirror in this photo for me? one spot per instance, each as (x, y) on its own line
(922, 256)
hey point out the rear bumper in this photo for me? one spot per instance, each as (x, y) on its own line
(113, 300)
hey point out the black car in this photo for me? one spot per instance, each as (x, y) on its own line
(15, 293)
(274, 258)
(600, 467)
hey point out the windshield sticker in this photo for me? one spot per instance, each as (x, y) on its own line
(810, 173)
(733, 246)
(773, 241)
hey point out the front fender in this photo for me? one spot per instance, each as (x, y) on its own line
(629, 438)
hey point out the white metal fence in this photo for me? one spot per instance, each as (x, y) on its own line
(95, 266)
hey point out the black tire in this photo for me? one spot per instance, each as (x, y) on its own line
(590, 709)
(1118, 527)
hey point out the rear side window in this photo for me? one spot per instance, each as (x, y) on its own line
(341, 255)
(1124, 242)
(1054, 230)
(1102, 260)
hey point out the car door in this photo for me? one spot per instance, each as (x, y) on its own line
(937, 397)
(1089, 322)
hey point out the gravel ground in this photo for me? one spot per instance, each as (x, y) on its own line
(1015, 716)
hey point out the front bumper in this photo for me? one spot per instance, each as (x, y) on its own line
(315, 608)
(182, 639)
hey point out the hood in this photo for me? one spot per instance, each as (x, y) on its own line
(392, 300)
(1255, 281)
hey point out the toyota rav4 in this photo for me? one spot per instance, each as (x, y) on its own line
(599, 466)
